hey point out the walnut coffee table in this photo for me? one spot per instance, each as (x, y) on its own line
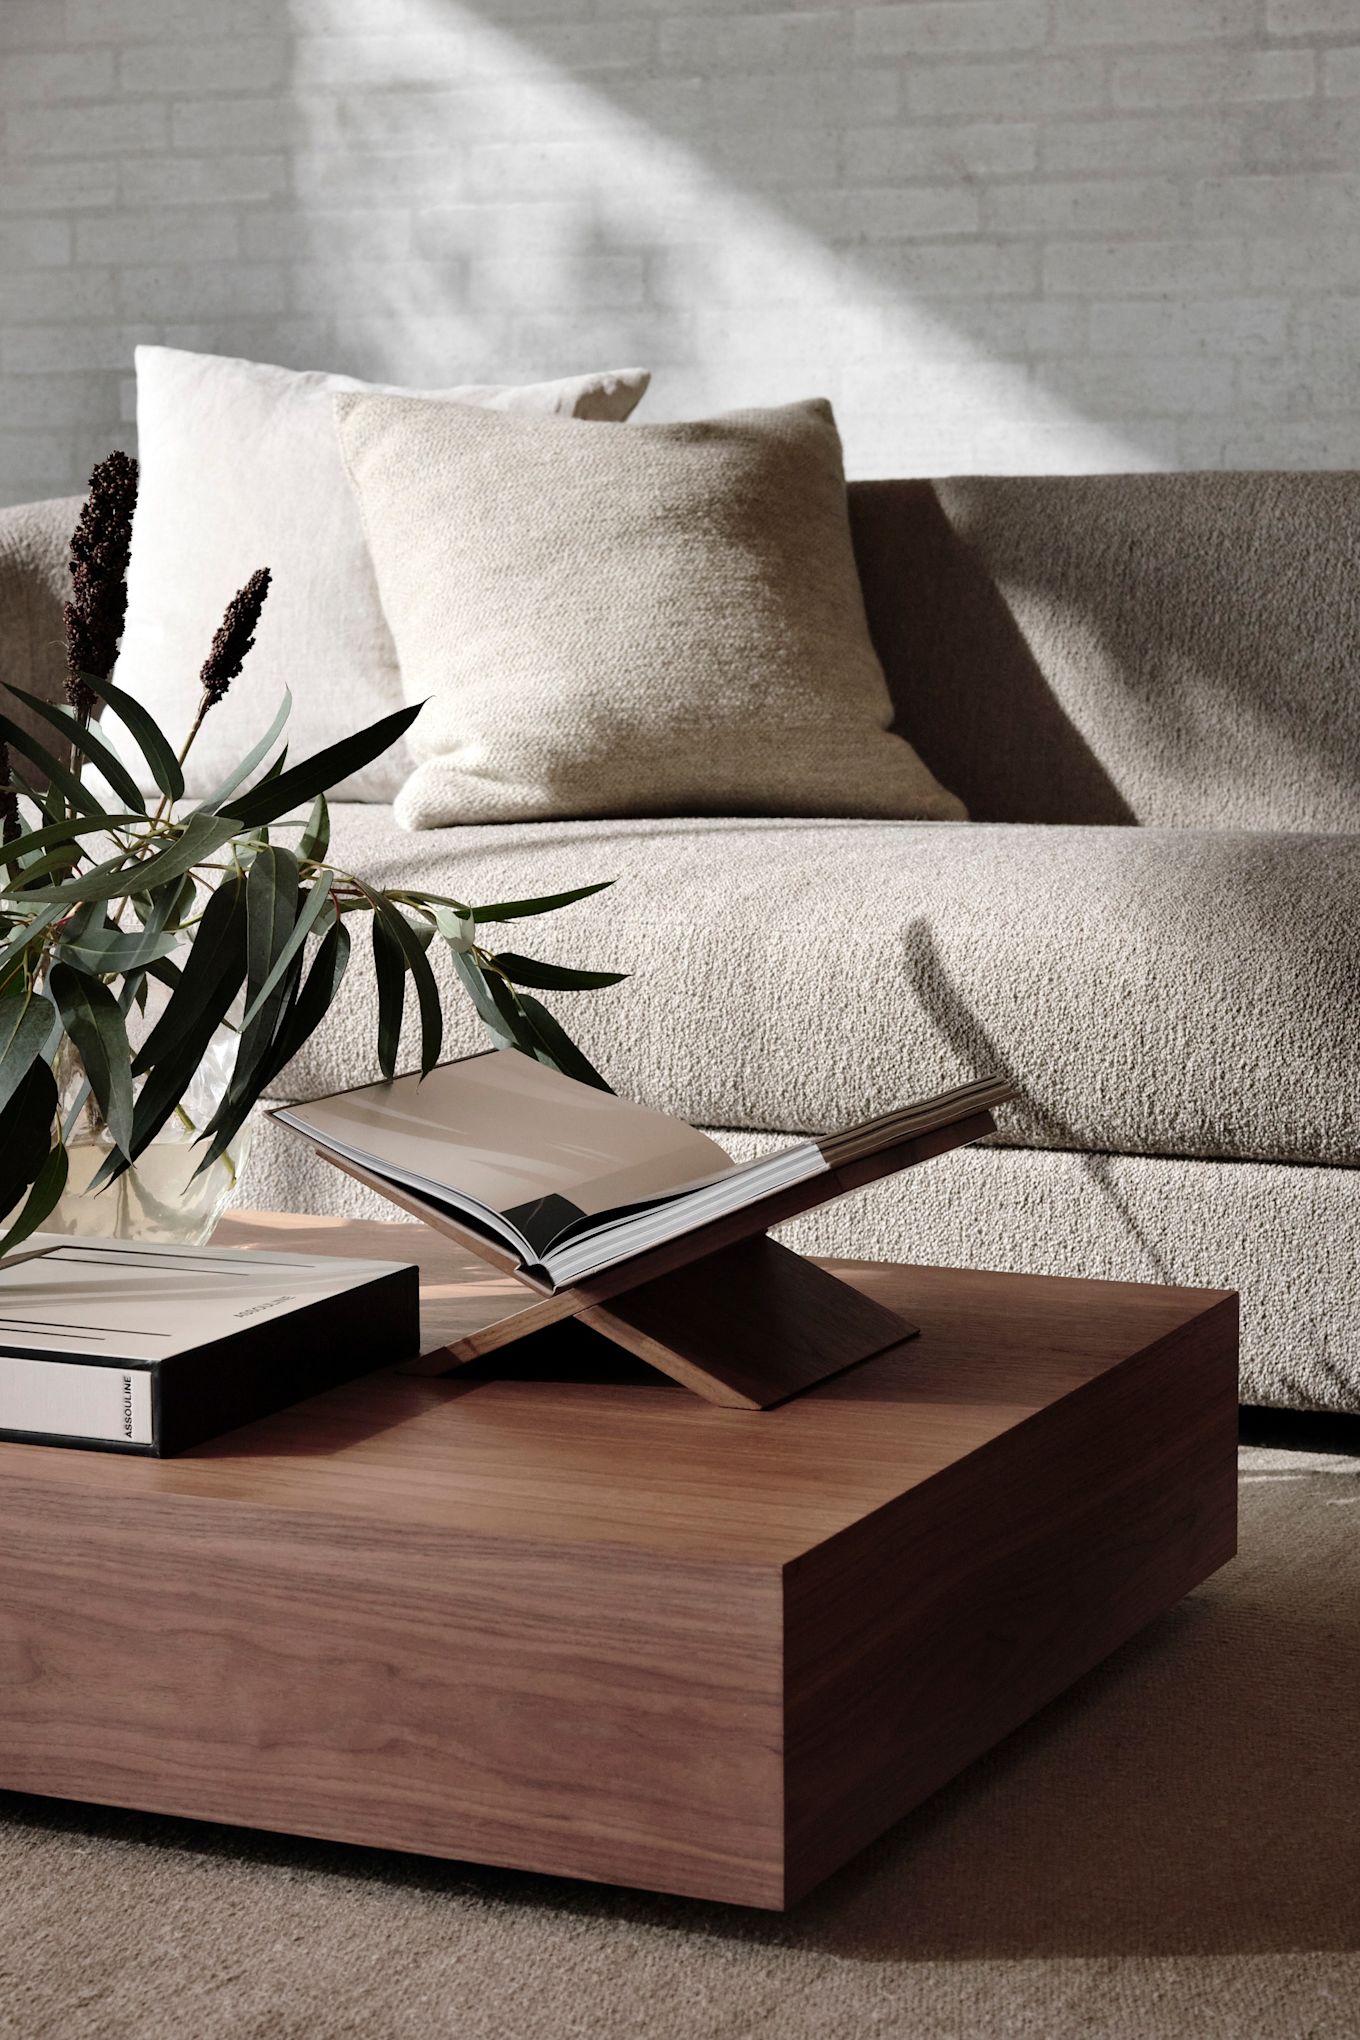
(578, 1621)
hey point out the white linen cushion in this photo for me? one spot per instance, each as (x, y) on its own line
(240, 469)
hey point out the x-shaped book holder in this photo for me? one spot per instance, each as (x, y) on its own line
(724, 1310)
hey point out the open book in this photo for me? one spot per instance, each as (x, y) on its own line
(570, 1180)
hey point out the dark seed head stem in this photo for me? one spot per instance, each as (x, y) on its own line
(235, 636)
(11, 827)
(100, 546)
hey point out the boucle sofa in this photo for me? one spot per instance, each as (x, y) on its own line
(1147, 689)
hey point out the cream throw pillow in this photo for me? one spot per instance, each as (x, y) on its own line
(240, 469)
(662, 620)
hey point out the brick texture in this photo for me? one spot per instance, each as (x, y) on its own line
(999, 234)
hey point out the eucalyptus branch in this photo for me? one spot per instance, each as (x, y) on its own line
(197, 925)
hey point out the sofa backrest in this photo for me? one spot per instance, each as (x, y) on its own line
(1181, 650)
(1177, 650)
(35, 543)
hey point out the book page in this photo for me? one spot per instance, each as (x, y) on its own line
(513, 1134)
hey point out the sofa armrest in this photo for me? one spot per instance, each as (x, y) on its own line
(34, 583)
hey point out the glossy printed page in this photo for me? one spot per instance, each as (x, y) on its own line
(512, 1133)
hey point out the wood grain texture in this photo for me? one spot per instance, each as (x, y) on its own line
(892, 1130)
(749, 1326)
(920, 1639)
(588, 1624)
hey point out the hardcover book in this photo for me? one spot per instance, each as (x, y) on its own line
(142, 1348)
(569, 1181)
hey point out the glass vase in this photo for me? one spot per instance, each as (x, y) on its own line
(161, 1197)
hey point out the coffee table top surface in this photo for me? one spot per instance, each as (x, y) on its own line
(617, 1456)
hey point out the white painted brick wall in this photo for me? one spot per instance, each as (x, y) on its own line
(1000, 234)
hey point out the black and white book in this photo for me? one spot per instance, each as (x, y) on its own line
(142, 1348)
(570, 1180)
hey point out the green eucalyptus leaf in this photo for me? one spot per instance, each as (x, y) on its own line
(389, 965)
(315, 902)
(26, 1133)
(266, 802)
(271, 915)
(42, 1199)
(316, 837)
(552, 977)
(25, 1026)
(209, 979)
(55, 868)
(312, 1003)
(300, 1021)
(91, 1016)
(271, 910)
(458, 930)
(164, 972)
(477, 989)
(252, 757)
(80, 1095)
(23, 937)
(162, 1089)
(34, 841)
(202, 835)
(177, 1044)
(506, 1001)
(409, 896)
(59, 779)
(556, 1046)
(49, 803)
(168, 906)
(146, 733)
(519, 910)
(413, 944)
(86, 742)
(107, 951)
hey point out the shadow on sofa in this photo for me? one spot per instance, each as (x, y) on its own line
(1176, 650)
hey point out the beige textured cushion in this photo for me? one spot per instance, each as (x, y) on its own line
(660, 620)
(240, 470)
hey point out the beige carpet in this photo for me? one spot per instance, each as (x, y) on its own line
(1172, 1850)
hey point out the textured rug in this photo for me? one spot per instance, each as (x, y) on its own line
(1170, 1852)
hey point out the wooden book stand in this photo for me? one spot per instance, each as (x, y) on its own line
(725, 1311)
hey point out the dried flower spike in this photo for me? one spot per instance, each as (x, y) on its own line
(100, 545)
(235, 636)
(11, 827)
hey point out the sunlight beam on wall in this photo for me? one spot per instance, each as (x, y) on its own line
(471, 208)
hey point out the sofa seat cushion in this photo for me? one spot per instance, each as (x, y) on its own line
(1151, 991)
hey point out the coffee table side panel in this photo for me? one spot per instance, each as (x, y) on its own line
(926, 1633)
(573, 1710)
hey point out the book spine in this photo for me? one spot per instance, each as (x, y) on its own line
(73, 1402)
(266, 1366)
